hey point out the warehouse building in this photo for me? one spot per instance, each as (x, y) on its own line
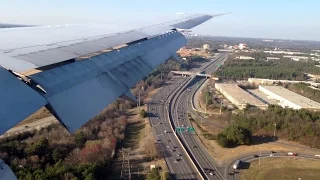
(238, 96)
(287, 98)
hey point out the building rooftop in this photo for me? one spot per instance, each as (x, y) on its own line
(240, 95)
(293, 97)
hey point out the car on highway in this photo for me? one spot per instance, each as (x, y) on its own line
(194, 146)
(256, 156)
(160, 123)
(272, 155)
(211, 174)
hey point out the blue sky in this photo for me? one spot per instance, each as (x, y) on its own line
(285, 19)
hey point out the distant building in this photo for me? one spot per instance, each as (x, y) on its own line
(297, 58)
(285, 52)
(238, 96)
(272, 58)
(245, 57)
(206, 46)
(271, 81)
(225, 50)
(242, 46)
(288, 98)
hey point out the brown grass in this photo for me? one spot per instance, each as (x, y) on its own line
(40, 114)
(282, 168)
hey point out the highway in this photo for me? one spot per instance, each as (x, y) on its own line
(180, 108)
(178, 163)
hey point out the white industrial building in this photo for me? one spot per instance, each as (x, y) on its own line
(297, 58)
(287, 98)
(245, 57)
(272, 58)
(238, 96)
(206, 46)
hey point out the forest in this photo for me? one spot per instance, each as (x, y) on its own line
(236, 69)
(53, 153)
(302, 126)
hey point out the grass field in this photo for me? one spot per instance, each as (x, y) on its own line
(282, 169)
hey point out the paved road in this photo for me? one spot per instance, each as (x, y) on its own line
(178, 163)
(179, 108)
(232, 174)
(180, 117)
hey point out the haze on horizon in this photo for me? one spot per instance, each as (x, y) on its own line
(295, 19)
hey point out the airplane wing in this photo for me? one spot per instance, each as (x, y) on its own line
(76, 71)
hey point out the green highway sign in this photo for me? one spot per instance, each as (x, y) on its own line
(181, 129)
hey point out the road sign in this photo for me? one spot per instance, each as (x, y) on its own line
(181, 129)
(190, 129)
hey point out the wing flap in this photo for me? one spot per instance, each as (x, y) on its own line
(78, 91)
(17, 100)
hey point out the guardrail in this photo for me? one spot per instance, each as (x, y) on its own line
(188, 152)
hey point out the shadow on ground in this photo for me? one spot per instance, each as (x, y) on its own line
(260, 139)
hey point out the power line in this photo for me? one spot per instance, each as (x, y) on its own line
(125, 170)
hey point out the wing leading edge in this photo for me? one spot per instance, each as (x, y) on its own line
(79, 89)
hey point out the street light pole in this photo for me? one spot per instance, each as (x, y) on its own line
(259, 156)
(274, 132)
(206, 105)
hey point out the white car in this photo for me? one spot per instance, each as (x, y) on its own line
(271, 154)
(211, 174)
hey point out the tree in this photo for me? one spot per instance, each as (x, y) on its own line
(154, 175)
(39, 148)
(80, 138)
(222, 140)
(143, 113)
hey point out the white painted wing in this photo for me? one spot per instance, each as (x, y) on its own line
(76, 90)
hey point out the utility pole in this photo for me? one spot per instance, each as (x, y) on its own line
(220, 106)
(274, 132)
(206, 105)
(259, 155)
(125, 170)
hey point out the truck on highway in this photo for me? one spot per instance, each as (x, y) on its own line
(317, 156)
(236, 165)
(292, 154)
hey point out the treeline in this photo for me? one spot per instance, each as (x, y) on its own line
(302, 126)
(53, 153)
(236, 69)
(305, 90)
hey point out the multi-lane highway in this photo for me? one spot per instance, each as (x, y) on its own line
(179, 109)
(176, 158)
(188, 160)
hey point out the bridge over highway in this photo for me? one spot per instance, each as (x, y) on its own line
(188, 73)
